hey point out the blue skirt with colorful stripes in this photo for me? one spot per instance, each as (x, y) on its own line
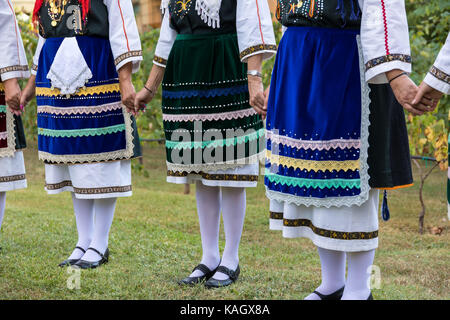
(317, 120)
(90, 125)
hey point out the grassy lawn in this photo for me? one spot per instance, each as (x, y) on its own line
(155, 240)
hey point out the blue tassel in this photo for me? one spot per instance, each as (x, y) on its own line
(341, 9)
(353, 16)
(385, 208)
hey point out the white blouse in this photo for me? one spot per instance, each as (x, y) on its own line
(13, 60)
(384, 38)
(439, 75)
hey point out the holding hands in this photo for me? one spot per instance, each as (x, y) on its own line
(407, 93)
(13, 95)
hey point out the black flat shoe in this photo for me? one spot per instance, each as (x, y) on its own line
(83, 264)
(337, 295)
(196, 280)
(71, 262)
(370, 297)
(232, 277)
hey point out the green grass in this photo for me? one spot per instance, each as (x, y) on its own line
(155, 240)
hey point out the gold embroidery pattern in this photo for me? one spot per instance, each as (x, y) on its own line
(439, 74)
(13, 68)
(160, 60)
(129, 54)
(276, 215)
(220, 177)
(2, 88)
(311, 164)
(66, 183)
(12, 178)
(387, 58)
(257, 48)
(85, 91)
(330, 233)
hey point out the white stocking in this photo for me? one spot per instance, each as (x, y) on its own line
(233, 213)
(84, 216)
(104, 214)
(358, 275)
(333, 272)
(208, 209)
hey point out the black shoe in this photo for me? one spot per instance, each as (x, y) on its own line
(83, 264)
(71, 262)
(370, 297)
(232, 277)
(195, 280)
(337, 295)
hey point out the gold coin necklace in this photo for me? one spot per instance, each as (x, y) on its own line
(56, 11)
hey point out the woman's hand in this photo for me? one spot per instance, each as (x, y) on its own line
(142, 98)
(425, 91)
(257, 96)
(266, 99)
(127, 91)
(28, 92)
(405, 90)
(12, 96)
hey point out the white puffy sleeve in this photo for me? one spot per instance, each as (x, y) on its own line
(439, 75)
(13, 60)
(254, 29)
(167, 37)
(384, 38)
(123, 33)
(36, 56)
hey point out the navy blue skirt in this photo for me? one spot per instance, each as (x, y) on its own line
(317, 120)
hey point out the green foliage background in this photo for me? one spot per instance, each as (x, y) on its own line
(429, 23)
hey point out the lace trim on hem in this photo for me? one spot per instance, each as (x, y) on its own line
(90, 132)
(313, 145)
(124, 154)
(208, 13)
(312, 183)
(197, 168)
(364, 167)
(215, 143)
(10, 130)
(210, 117)
(327, 165)
(80, 110)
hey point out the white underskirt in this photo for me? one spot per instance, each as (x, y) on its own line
(249, 169)
(362, 218)
(12, 173)
(91, 180)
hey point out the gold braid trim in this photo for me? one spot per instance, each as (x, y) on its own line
(216, 176)
(160, 60)
(330, 233)
(257, 48)
(12, 178)
(100, 190)
(311, 164)
(85, 91)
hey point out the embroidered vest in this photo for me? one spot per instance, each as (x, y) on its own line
(70, 24)
(185, 19)
(344, 14)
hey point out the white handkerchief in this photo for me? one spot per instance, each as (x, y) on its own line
(208, 10)
(69, 70)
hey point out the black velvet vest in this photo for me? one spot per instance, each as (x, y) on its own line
(71, 23)
(185, 20)
(344, 14)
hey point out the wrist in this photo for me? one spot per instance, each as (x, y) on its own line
(393, 73)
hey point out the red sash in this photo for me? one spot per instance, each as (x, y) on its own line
(3, 129)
